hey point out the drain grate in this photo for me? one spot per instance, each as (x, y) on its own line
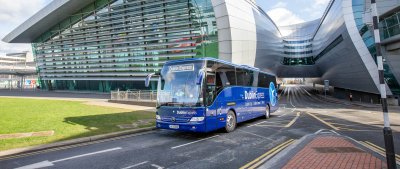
(337, 150)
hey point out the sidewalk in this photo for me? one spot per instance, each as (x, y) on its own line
(346, 102)
(320, 151)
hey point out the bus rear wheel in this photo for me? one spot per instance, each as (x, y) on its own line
(267, 112)
(230, 121)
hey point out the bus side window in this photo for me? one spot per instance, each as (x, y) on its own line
(244, 77)
(231, 75)
(263, 80)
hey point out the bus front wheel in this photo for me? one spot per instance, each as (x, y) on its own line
(267, 112)
(230, 121)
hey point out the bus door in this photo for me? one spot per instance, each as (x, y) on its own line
(223, 98)
(210, 96)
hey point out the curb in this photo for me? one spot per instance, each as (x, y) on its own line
(16, 151)
(280, 159)
(332, 100)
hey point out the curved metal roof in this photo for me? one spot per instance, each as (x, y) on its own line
(45, 19)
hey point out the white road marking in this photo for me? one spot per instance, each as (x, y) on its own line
(88, 154)
(271, 125)
(257, 124)
(157, 166)
(37, 165)
(135, 165)
(282, 115)
(255, 134)
(51, 163)
(194, 142)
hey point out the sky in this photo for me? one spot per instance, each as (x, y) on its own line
(283, 12)
(12, 14)
(287, 12)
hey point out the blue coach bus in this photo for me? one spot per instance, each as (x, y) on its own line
(206, 94)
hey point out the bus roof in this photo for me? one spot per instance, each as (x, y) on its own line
(221, 61)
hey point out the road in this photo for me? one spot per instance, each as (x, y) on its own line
(300, 113)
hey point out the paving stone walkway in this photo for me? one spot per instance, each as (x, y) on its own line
(333, 152)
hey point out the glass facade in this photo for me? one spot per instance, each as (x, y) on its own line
(298, 61)
(390, 26)
(367, 35)
(298, 52)
(298, 43)
(109, 44)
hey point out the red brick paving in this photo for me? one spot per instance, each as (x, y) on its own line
(309, 158)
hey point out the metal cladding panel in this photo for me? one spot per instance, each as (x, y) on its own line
(394, 62)
(248, 36)
(349, 64)
(386, 5)
(309, 71)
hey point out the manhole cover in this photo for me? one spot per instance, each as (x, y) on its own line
(337, 150)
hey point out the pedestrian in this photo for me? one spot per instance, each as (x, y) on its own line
(351, 97)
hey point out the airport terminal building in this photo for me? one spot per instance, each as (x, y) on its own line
(103, 45)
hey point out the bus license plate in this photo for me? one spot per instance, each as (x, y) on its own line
(174, 126)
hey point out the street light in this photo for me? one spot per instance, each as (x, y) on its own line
(387, 131)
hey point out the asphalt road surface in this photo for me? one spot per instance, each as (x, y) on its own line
(300, 113)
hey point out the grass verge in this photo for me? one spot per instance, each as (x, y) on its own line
(68, 120)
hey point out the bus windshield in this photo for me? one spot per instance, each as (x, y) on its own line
(179, 86)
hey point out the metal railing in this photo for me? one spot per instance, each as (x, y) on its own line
(134, 95)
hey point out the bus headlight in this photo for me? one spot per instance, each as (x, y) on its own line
(195, 119)
(158, 117)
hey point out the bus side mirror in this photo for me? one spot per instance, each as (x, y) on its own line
(200, 77)
(148, 78)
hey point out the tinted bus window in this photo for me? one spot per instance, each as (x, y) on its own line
(265, 79)
(218, 76)
(244, 77)
(230, 74)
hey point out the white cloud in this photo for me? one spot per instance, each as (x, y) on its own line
(17, 11)
(317, 8)
(283, 17)
(12, 14)
(279, 5)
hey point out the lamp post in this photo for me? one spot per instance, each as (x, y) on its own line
(387, 131)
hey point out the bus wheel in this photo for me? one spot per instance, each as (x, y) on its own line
(267, 112)
(230, 121)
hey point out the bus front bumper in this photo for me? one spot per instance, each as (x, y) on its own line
(194, 127)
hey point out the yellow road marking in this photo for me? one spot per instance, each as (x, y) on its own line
(326, 123)
(294, 119)
(380, 148)
(379, 151)
(259, 163)
(273, 151)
